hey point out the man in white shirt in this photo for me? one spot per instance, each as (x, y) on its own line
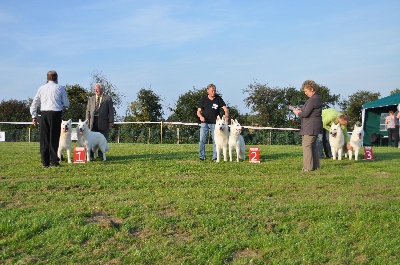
(51, 98)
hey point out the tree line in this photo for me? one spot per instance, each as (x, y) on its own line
(268, 105)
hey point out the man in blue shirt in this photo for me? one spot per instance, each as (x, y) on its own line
(51, 98)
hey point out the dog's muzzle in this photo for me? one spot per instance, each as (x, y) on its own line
(333, 134)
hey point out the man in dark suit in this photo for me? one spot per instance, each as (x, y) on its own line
(100, 113)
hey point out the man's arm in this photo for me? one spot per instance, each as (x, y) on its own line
(110, 113)
(201, 117)
(226, 113)
(88, 109)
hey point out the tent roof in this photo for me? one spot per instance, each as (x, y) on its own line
(386, 101)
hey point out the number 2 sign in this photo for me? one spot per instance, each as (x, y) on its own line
(254, 155)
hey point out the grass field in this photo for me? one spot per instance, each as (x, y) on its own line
(157, 204)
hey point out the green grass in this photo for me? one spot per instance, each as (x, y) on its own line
(157, 204)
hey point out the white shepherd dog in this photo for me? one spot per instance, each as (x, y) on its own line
(336, 140)
(221, 137)
(92, 140)
(79, 136)
(356, 141)
(236, 141)
(65, 142)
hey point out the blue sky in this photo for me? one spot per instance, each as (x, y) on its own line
(173, 46)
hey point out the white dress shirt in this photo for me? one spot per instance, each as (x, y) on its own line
(50, 97)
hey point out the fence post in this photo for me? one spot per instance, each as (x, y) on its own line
(177, 134)
(148, 137)
(270, 137)
(119, 133)
(161, 124)
(29, 134)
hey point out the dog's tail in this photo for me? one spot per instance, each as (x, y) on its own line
(107, 148)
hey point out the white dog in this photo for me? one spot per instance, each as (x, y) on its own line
(356, 141)
(79, 136)
(221, 137)
(236, 141)
(92, 140)
(336, 140)
(65, 142)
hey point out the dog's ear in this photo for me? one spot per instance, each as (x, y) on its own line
(80, 120)
(232, 122)
(87, 121)
(69, 121)
(218, 118)
(236, 121)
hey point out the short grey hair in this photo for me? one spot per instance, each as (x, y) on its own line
(100, 86)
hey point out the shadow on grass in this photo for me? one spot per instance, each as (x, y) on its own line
(161, 157)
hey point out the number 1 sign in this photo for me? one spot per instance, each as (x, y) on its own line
(254, 155)
(79, 155)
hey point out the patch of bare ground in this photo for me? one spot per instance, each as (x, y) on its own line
(103, 220)
(140, 233)
(245, 254)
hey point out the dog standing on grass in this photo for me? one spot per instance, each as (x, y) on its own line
(79, 137)
(92, 140)
(336, 140)
(236, 141)
(221, 137)
(65, 142)
(356, 141)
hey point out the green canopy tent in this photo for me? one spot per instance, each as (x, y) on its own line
(373, 114)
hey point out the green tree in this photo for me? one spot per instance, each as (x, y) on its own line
(185, 109)
(353, 105)
(14, 111)
(270, 105)
(147, 107)
(328, 99)
(186, 106)
(78, 98)
(395, 91)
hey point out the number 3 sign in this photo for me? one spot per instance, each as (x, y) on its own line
(254, 155)
(369, 155)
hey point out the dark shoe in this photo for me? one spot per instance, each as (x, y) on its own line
(202, 158)
(45, 166)
(56, 164)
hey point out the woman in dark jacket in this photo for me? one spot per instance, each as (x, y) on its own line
(311, 125)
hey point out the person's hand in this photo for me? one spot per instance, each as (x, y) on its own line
(349, 147)
(297, 111)
(34, 121)
(202, 119)
(111, 124)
